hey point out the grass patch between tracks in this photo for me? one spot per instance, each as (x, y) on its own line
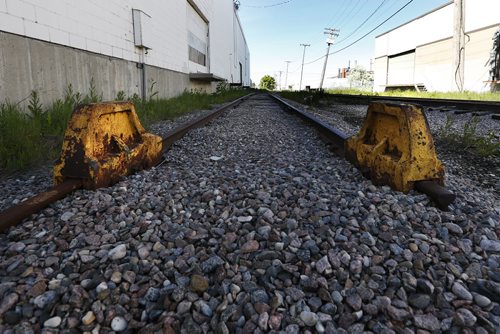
(33, 135)
(304, 96)
(468, 138)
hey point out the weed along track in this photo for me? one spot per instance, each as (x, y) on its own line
(252, 224)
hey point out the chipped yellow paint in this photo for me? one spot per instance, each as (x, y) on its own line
(103, 143)
(395, 146)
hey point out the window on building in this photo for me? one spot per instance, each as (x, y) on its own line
(197, 37)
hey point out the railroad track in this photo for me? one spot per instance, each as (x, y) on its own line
(460, 106)
(252, 224)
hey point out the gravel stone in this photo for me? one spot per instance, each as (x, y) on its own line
(490, 245)
(8, 302)
(52, 322)
(461, 291)
(427, 321)
(118, 324)
(117, 253)
(280, 232)
(199, 283)
(309, 318)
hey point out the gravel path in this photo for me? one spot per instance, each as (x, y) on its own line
(253, 225)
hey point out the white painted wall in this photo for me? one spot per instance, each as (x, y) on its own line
(432, 27)
(228, 45)
(106, 27)
(430, 35)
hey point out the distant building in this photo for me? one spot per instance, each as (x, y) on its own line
(135, 46)
(419, 54)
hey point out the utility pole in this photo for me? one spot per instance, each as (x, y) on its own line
(279, 82)
(331, 33)
(303, 57)
(459, 44)
(286, 76)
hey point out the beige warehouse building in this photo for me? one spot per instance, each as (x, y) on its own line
(420, 54)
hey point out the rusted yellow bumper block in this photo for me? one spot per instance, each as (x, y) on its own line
(395, 146)
(104, 142)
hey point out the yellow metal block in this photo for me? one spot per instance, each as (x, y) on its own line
(104, 142)
(395, 146)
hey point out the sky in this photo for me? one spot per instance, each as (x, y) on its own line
(274, 30)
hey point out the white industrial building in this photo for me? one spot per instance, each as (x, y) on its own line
(421, 53)
(122, 45)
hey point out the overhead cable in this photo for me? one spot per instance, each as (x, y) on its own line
(268, 6)
(363, 23)
(362, 37)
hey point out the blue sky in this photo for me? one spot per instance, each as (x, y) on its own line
(274, 30)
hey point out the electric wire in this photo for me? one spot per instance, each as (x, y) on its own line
(362, 37)
(268, 6)
(340, 12)
(348, 15)
(362, 23)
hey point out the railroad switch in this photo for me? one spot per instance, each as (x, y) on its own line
(395, 146)
(103, 143)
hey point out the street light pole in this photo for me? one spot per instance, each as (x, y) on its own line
(329, 41)
(286, 76)
(303, 57)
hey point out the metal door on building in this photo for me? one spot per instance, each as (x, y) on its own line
(401, 69)
(197, 37)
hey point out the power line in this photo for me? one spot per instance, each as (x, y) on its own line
(362, 37)
(348, 15)
(363, 23)
(267, 6)
(340, 13)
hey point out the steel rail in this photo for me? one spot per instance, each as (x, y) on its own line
(469, 105)
(441, 196)
(17, 213)
(172, 136)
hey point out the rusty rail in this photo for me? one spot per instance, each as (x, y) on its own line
(176, 134)
(465, 105)
(17, 213)
(331, 135)
(439, 194)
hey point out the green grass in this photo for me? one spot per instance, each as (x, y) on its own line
(33, 135)
(155, 110)
(483, 145)
(430, 95)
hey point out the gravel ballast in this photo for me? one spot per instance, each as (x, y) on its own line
(253, 225)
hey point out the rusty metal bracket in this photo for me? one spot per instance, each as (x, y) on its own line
(105, 142)
(433, 188)
(116, 144)
(395, 146)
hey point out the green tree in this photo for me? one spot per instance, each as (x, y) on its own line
(494, 62)
(360, 78)
(267, 82)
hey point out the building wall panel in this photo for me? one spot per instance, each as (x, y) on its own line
(431, 35)
(401, 70)
(433, 66)
(105, 29)
(380, 77)
(477, 54)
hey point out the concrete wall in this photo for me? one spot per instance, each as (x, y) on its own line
(47, 45)
(27, 64)
(431, 37)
